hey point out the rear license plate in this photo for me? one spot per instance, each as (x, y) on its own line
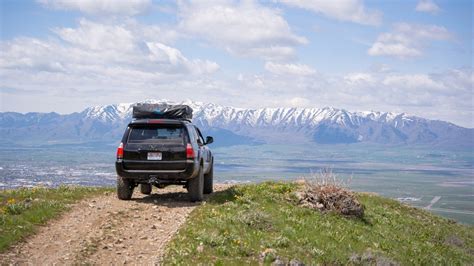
(154, 156)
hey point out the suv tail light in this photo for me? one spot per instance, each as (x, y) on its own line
(189, 151)
(120, 151)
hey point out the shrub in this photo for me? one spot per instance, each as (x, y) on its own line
(256, 219)
(327, 192)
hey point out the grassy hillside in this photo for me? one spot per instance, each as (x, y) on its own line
(262, 223)
(22, 210)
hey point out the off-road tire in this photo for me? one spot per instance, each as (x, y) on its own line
(145, 189)
(124, 188)
(209, 180)
(196, 187)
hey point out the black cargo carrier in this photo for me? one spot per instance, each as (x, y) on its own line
(162, 110)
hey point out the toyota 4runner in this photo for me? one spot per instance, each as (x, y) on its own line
(163, 152)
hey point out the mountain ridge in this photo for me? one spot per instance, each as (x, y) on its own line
(327, 125)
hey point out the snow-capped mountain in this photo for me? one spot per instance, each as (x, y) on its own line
(231, 125)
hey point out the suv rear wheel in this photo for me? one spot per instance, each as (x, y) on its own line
(196, 186)
(124, 188)
(145, 189)
(208, 180)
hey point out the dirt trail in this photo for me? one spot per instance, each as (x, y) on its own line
(105, 230)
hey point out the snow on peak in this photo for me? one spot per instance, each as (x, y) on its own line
(214, 115)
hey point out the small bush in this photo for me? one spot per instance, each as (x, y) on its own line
(326, 192)
(16, 208)
(281, 242)
(256, 219)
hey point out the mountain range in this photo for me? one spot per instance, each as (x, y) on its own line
(230, 126)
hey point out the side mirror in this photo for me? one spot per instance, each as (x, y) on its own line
(209, 140)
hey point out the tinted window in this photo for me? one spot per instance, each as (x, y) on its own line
(167, 134)
(192, 133)
(199, 136)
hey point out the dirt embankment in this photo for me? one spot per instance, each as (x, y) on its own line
(105, 230)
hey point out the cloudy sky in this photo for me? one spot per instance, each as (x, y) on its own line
(402, 56)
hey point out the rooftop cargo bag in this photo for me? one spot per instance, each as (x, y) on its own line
(162, 111)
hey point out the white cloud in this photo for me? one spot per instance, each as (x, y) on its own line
(289, 69)
(298, 102)
(244, 29)
(457, 80)
(359, 78)
(393, 45)
(95, 36)
(407, 40)
(343, 10)
(96, 7)
(427, 6)
(413, 81)
(381, 68)
(163, 54)
(95, 56)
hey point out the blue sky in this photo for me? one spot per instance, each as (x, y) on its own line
(401, 56)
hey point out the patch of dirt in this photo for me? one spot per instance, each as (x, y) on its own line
(455, 241)
(105, 230)
(371, 258)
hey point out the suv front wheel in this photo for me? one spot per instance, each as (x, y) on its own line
(196, 186)
(124, 188)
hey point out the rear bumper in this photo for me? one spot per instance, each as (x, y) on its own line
(190, 170)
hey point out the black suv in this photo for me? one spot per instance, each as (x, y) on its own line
(163, 152)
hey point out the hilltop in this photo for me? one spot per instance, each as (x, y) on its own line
(261, 223)
(250, 224)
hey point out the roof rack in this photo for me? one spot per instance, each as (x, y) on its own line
(141, 121)
(180, 119)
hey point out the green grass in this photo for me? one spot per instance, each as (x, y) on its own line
(22, 210)
(235, 226)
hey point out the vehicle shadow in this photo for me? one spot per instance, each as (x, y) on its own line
(167, 199)
(176, 199)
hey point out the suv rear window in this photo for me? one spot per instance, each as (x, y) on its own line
(157, 134)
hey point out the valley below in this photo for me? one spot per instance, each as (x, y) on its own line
(438, 180)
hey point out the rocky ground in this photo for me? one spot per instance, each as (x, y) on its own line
(105, 230)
